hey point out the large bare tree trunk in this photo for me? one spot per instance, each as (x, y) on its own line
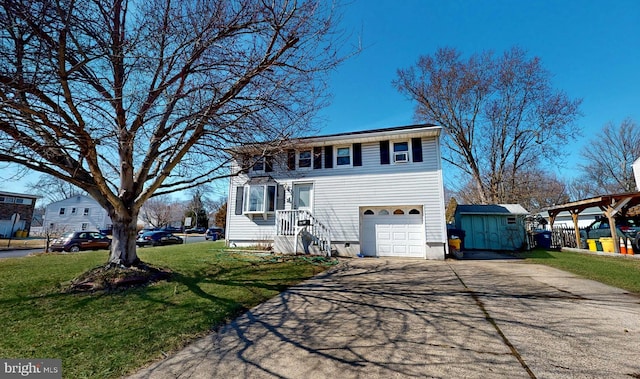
(123, 245)
(132, 99)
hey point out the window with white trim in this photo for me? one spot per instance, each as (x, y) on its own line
(259, 163)
(400, 152)
(84, 226)
(73, 211)
(259, 198)
(304, 159)
(343, 156)
(61, 211)
(7, 199)
(86, 212)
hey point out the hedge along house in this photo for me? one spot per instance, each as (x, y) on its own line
(492, 227)
(375, 193)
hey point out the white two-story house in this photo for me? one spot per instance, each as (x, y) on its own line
(371, 193)
(75, 213)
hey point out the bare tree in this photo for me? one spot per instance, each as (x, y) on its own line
(609, 158)
(536, 189)
(499, 114)
(129, 99)
(54, 189)
(196, 209)
(582, 188)
(220, 215)
(160, 211)
(533, 188)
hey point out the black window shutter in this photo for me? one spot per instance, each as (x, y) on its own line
(357, 154)
(416, 149)
(291, 159)
(245, 163)
(317, 157)
(384, 152)
(328, 156)
(239, 193)
(280, 197)
(268, 163)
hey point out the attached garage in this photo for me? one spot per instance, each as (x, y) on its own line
(392, 231)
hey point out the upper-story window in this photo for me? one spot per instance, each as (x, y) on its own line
(86, 212)
(400, 152)
(259, 163)
(343, 156)
(304, 158)
(73, 211)
(62, 211)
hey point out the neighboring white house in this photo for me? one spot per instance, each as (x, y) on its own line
(76, 213)
(375, 193)
(585, 218)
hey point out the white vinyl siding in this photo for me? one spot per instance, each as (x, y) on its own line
(80, 213)
(340, 192)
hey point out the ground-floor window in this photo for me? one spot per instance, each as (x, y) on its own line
(259, 198)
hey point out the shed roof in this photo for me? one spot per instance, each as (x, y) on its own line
(504, 209)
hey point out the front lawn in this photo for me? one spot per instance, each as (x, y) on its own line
(615, 271)
(107, 335)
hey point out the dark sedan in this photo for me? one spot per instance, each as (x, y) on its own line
(81, 240)
(158, 238)
(196, 230)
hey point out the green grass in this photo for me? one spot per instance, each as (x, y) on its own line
(615, 271)
(106, 335)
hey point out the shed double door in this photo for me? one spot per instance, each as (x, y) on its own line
(481, 232)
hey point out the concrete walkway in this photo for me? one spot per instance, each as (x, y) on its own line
(379, 318)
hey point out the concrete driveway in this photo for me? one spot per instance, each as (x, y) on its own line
(388, 318)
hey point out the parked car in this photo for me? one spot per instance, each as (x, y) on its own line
(214, 234)
(196, 230)
(625, 227)
(158, 238)
(80, 240)
(108, 231)
(171, 229)
(146, 230)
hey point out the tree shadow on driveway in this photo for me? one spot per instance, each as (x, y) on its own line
(378, 318)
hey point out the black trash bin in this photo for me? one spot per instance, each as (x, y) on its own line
(543, 239)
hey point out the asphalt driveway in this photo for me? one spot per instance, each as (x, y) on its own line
(379, 318)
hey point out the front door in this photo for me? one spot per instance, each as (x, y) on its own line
(302, 196)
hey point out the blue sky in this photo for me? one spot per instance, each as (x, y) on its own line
(591, 47)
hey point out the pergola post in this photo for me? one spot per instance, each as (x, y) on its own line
(574, 217)
(611, 205)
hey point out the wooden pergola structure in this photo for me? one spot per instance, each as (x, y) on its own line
(611, 206)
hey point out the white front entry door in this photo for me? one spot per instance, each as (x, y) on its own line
(302, 196)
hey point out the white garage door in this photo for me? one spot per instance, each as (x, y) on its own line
(393, 232)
